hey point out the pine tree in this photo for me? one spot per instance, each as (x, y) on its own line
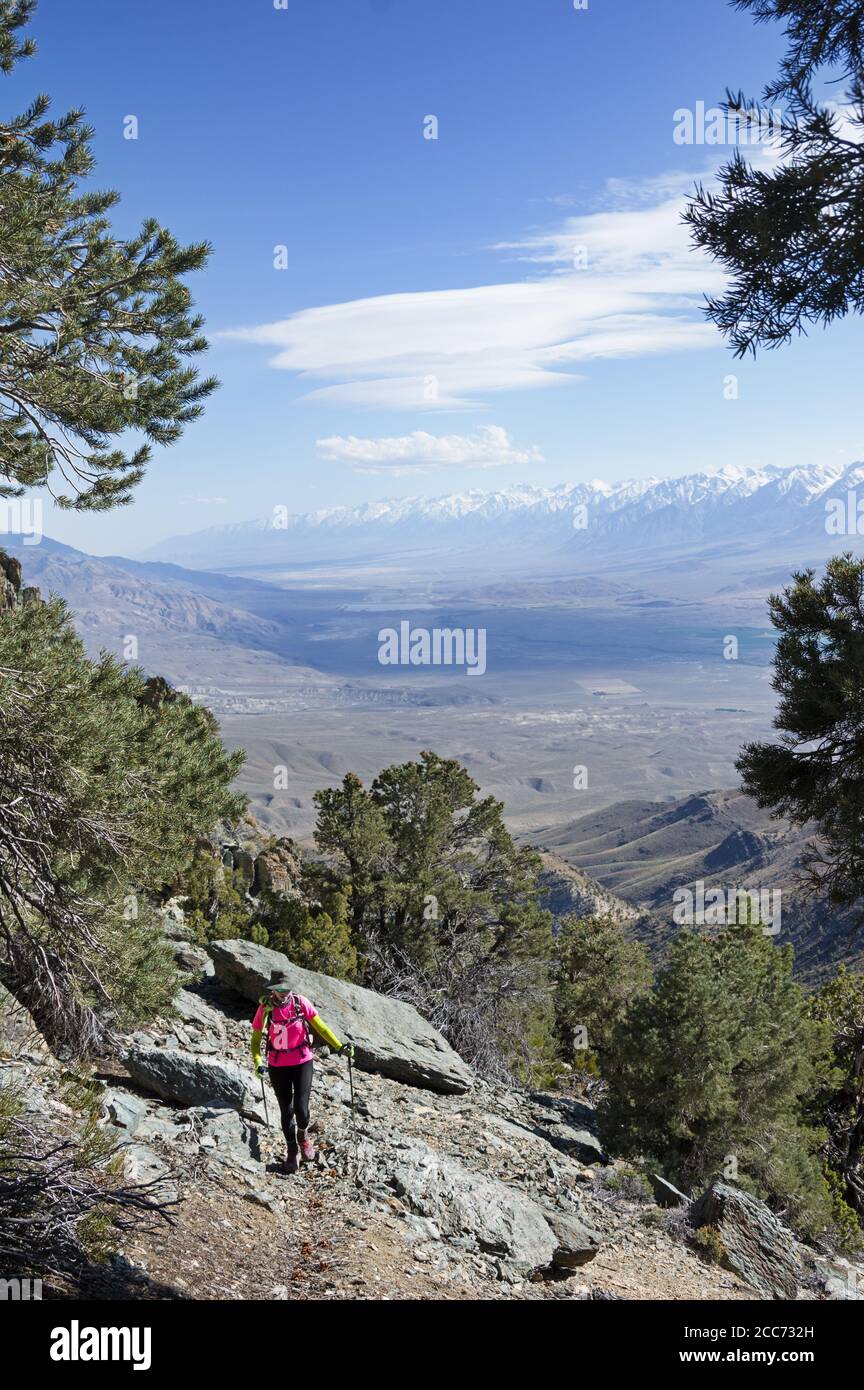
(790, 237)
(312, 937)
(816, 771)
(839, 1105)
(598, 973)
(428, 861)
(443, 904)
(710, 1071)
(97, 334)
(215, 902)
(107, 779)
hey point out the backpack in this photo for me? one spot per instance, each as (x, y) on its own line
(299, 1017)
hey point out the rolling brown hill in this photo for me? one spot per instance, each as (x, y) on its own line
(643, 850)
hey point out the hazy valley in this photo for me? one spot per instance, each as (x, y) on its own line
(609, 676)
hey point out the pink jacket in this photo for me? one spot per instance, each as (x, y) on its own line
(288, 1044)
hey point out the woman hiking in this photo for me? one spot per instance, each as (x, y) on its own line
(284, 1019)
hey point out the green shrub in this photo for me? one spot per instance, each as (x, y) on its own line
(721, 1058)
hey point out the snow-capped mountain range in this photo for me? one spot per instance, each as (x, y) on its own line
(545, 527)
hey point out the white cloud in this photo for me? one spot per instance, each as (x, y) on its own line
(637, 289)
(625, 242)
(420, 452)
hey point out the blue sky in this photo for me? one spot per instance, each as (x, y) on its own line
(431, 320)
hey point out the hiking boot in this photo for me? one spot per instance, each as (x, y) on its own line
(292, 1162)
(307, 1150)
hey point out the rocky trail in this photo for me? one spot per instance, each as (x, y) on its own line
(460, 1189)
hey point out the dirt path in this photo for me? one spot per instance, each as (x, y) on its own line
(224, 1245)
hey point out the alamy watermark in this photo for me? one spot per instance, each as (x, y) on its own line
(20, 1290)
(717, 125)
(437, 646)
(844, 516)
(721, 907)
(77, 1343)
(22, 516)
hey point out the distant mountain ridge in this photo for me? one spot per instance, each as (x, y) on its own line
(540, 524)
(191, 627)
(642, 851)
(238, 645)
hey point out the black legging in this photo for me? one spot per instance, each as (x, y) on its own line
(293, 1087)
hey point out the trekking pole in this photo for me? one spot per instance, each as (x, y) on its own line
(353, 1114)
(264, 1098)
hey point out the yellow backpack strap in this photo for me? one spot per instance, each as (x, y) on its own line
(266, 1020)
